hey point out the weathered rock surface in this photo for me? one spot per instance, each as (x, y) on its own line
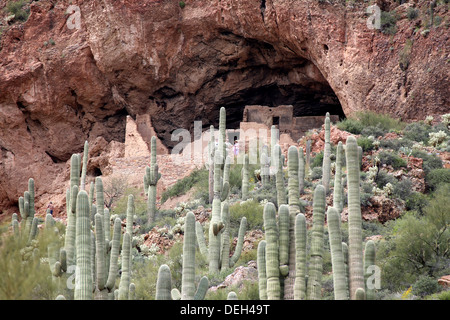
(60, 86)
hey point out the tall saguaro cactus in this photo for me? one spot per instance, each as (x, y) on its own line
(326, 166)
(300, 257)
(83, 278)
(356, 270)
(317, 245)
(272, 254)
(151, 178)
(278, 162)
(340, 282)
(338, 202)
(188, 273)
(245, 178)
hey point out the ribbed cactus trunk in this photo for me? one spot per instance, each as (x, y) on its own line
(83, 276)
(124, 284)
(356, 269)
(84, 167)
(338, 202)
(272, 254)
(211, 152)
(326, 166)
(100, 256)
(245, 178)
(265, 165)
(262, 275)
(340, 283)
(284, 238)
(164, 283)
(216, 224)
(294, 209)
(301, 171)
(130, 214)
(188, 273)
(71, 201)
(279, 176)
(369, 261)
(314, 286)
(300, 257)
(114, 255)
(225, 237)
(240, 242)
(150, 181)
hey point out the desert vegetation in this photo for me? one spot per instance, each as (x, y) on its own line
(308, 219)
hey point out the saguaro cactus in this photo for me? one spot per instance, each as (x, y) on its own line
(100, 256)
(114, 255)
(301, 170)
(83, 278)
(164, 283)
(151, 178)
(265, 165)
(188, 273)
(338, 202)
(326, 166)
(245, 178)
(279, 176)
(356, 269)
(369, 262)
(272, 254)
(211, 152)
(262, 276)
(300, 257)
(84, 167)
(340, 282)
(317, 245)
(124, 284)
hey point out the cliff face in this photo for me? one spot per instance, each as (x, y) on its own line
(64, 81)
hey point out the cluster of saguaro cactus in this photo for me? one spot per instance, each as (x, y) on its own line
(88, 247)
(164, 289)
(350, 268)
(218, 229)
(27, 212)
(151, 178)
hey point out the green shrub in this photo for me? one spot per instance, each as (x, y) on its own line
(350, 125)
(383, 178)
(417, 131)
(437, 177)
(16, 8)
(365, 143)
(396, 144)
(415, 243)
(412, 13)
(388, 23)
(430, 160)
(416, 201)
(377, 122)
(389, 158)
(375, 131)
(251, 209)
(317, 161)
(403, 188)
(197, 178)
(316, 173)
(425, 286)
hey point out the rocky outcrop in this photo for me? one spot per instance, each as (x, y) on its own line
(64, 80)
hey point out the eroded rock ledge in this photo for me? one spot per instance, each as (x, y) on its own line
(61, 86)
